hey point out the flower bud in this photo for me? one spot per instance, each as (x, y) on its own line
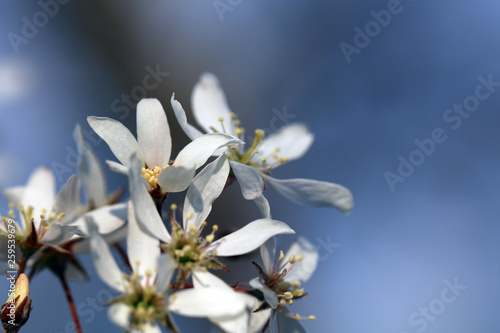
(16, 311)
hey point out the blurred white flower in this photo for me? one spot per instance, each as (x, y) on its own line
(251, 166)
(153, 146)
(15, 79)
(47, 221)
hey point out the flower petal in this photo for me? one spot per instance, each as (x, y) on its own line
(209, 103)
(143, 250)
(90, 170)
(269, 294)
(146, 213)
(68, 199)
(250, 180)
(208, 280)
(14, 195)
(117, 167)
(166, 268)
(108, 218)
(104, 263)
(207, 302)
(301, 270)
(314, 193)
(153, 133)
(119, 314)
(289, 325)
(196, 153)
(39, 192)
(191, 131)
(291, 141)
(250, 237)
(268, 254)
(258, 319)
(175, 178)
(263, 206)
(59, 233)
(206, 187)
(119, 139)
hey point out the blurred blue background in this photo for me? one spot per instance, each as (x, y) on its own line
(366, 96)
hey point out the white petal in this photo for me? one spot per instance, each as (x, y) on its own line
(314, 193)
(293, 141)
(119, 139)
(14, 195)
(153, 133)
(263, 206)
(269, 295)
(268, 254)
(180, 114)
(207, 302)
(68, 199)
(208, 280)
(240, 322)
(105, 264)
(250, 180)
(209, 103)
(258, 319)
(301, 270)
(250, 237)
(143, 250)
(196, 153)
(119, 314)
(166, 268)
(108, 218)
(117, 167)
(175, 178)
(40, 192)
(151, 328)
(289, 325)
(90, 170)
(147, 215)
(206, 187)
(59, 233)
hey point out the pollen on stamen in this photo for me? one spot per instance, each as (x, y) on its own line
(311, 317)
(232, 115)
(220, 119)
(239, 131)
(189, 215)
(282, 255)
(173, 206)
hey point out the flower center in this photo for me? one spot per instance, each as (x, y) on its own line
(285, 290)
(146, 303)
(152, 175)
(190, 250)
(239, 154)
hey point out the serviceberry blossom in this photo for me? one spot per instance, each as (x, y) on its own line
(192, 252)
(153, 147)
(147, 297)
(48, 222)
(279, 283)
(252, 165)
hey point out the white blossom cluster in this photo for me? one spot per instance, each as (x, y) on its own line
(172, 251)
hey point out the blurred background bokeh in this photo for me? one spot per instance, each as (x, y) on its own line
(366, 96)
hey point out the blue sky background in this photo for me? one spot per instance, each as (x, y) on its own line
(396, 248)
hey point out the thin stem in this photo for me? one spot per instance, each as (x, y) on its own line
(71, 304)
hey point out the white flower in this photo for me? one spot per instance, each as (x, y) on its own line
(153, 146)
(46, 220)
(191, 252)
(145, 303)
(251, 166)
(280, 282)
